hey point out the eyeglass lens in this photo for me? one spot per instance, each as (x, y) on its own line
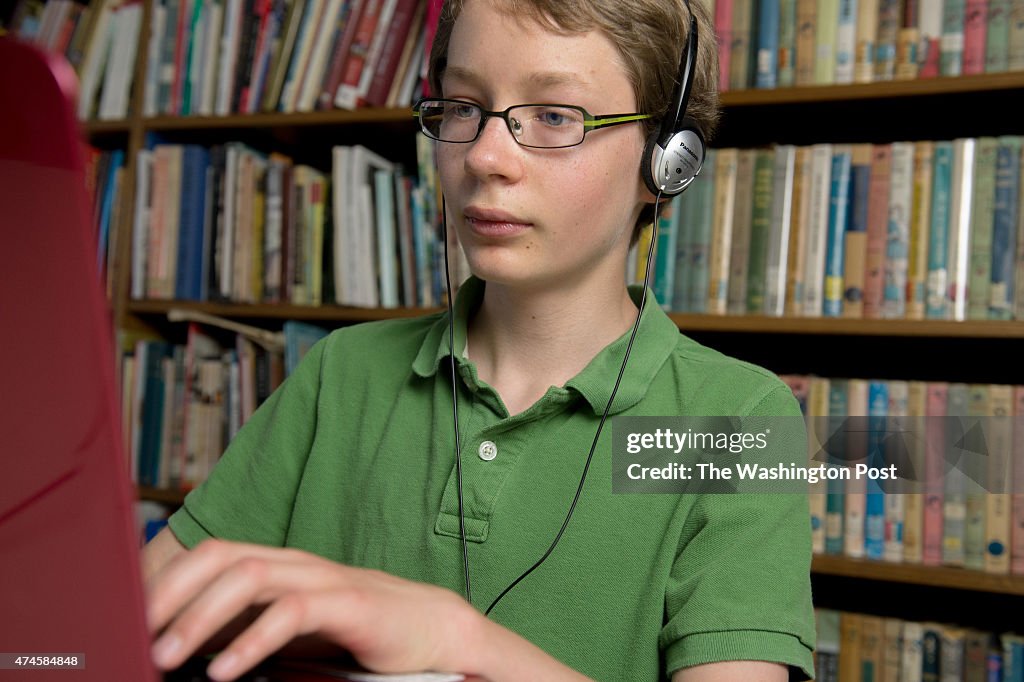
(531, 125)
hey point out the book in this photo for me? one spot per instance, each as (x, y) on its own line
(901, 195)
(856, 242)
(835, 240)
(299, 338)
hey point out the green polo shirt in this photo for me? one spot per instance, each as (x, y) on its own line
(353, 459)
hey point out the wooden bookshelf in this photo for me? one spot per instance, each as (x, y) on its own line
(331, 117)
(987, 83)
(945, 577)
(171, 497)
(740, 324)
(759, 324)
(92, 128)
(341, 314)
(874, 112)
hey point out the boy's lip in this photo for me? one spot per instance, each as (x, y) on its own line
(492, 215)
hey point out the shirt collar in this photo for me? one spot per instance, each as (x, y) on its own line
(655, 340)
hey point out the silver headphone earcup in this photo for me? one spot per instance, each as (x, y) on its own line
(673, 168)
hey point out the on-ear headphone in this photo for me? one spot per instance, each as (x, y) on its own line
(674, 154)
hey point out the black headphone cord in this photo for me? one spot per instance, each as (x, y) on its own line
(604, 416)
(593, 446)
(455, 400)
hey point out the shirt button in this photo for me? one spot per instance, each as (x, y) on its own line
(488, 450)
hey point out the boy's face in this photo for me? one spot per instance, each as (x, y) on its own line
(540, 217)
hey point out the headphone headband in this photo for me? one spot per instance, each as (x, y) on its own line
(676, 112)
(674, 154)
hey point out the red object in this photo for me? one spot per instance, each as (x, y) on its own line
(69, 574)
(69, 552)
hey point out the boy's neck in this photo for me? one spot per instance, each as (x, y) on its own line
(523, 343)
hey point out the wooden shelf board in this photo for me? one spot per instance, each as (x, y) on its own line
(161, 495)
(849, 326)
(277, 120)
(279, 312)
(928, 576)
(750, 324)
(101, 127)
(910, 88)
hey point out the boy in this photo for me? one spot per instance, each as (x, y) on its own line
(353, 459)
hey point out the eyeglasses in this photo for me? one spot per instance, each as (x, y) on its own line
(543, 126)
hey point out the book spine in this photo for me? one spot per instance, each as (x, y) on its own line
(856, 237)
(723, 36)
(954, 498)
(920, 220)
(838, 215)
(665, 257)
(817, 233)
(1017, 483)
(760, 228)
(1015, 36)
(818, 393)
(867, 32)
(779, 234)
(997, 37)
(929, 51)
(938, 235)
(875, 502)
(835, 508)
(397, 36)
(698, 268)
(721, 238)
(982, 213)
(960, 226)
(787, 43)
(894, 515)
(914, 497)
(856, 488)
(846, 41)
(1004, 227)
(826, 34)
(975, 36)
(889, 13)
(878, 225)
(901, 194)
(951, 57)
(740, 247)
(806, 40)
(767, 44)
(740, 47)
(798, 233)
(908, 42)
(998, 501)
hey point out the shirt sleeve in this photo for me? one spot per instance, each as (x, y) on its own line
(740, 585)
(261, 468)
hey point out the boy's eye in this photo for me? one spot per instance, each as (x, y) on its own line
(464, 111)
(553, 117)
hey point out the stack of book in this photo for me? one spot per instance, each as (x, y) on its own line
(234, 224)
(183, 403)
(960, 500)
(242, 56)
(908, 230)
(100, 40)
(783, 43)
(858, 647)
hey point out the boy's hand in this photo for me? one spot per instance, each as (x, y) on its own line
(386, 623)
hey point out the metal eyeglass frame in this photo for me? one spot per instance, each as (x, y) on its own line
(590, 122)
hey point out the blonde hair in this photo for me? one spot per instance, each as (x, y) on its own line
(650, 36)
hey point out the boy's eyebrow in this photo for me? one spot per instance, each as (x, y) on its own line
(541, 79)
